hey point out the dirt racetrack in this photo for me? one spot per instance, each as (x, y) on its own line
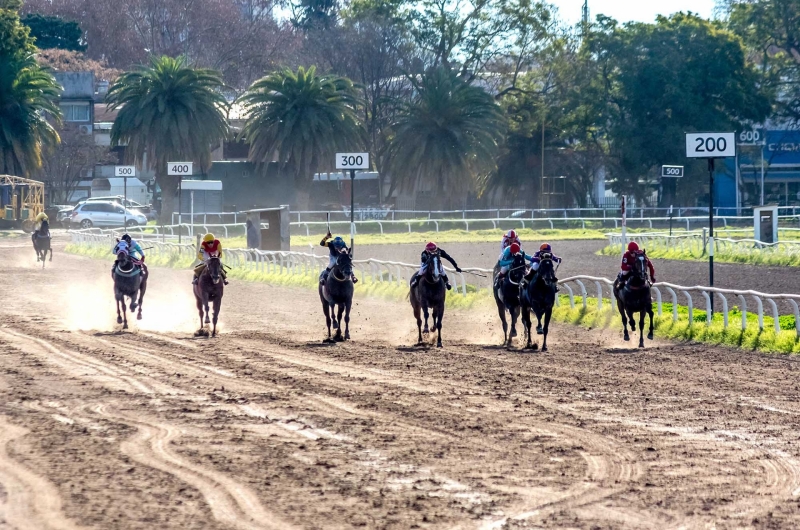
(265, 427)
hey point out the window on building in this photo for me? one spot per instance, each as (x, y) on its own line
(75, 111)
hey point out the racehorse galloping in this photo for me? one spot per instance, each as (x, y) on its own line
(41, 243)
(337, 293)
(539, 296)
(635, 297)
(429, 293)
(209, 288)
(507, 297)
(130, 281)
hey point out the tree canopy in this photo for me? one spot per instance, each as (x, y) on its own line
(53, 32)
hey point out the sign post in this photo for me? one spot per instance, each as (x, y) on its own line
(671, 172)
(179, 169)
(624, 225)
(125, 172)
(711, 146)
(352, 161)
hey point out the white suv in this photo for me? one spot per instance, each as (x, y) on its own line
(97, 213)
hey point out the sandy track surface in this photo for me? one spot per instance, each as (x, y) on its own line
(266, 427)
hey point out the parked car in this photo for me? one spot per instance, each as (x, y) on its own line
(146, 209)
(99, 213)
(63, 216)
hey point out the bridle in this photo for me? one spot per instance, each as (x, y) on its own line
(339, 268)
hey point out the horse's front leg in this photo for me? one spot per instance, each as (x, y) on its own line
(205, 308)
(621, 310)
(539, 330)
(119, 316)
(501, 310)
(514, 316)
(641, 328)
(217, 305)
(142, 290)
(51, 254)
(347, 320)
(339, 311)
(199, 303)
(124, 313)
(438, 314)
(326, 310)
(426, 329)
(650, 314)
(547, 314)
(526, 324)
(417, 316)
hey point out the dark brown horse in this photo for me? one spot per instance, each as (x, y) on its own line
(209, 288)
(539, 296)
(507, 297)
(635, 297)
(429, 293)
(130, 281)
(41, 243)
(337, 293)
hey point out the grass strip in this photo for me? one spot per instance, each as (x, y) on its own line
(749, 256)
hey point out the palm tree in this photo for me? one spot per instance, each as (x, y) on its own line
(447, 136)
(172, 112)
(28, 97)
(303, 119)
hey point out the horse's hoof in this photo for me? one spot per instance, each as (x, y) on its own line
(650, 335)
(335, 325)
(125, 325)
(213, 334)
(633, 326)
(347, 336)
(208, 321)
(513, 332)
(426, 330)
(626, 337)
(544, 348)
(641, 345)
(539, 331)
(133, 308)
(534, 347)
(439, 344)
(119, 320)
(139, 316)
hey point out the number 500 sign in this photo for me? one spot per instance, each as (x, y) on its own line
(710, 145)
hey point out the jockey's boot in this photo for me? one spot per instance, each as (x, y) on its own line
(195, 280)
(353, 277)
(324, 277)
(447, 283)
(414, 281)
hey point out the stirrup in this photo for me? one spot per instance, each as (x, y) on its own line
(447, 284)
(355, 280)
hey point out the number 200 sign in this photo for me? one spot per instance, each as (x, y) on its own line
(179, 168)
(352, 160)
(710, 145)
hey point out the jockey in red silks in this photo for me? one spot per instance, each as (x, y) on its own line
(509, 238)
(628, 258)
(430, 251)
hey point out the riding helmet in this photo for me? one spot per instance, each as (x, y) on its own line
(632, 246)
(208, 238)
(545, 247)
(511, 234)
(431, 247)
(338, 242)
(514, 248)
(126, 237)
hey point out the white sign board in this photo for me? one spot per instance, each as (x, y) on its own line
(672, 171)
(710, 145)
(754, 137)
(179, 168)
(124, 171)
(352, 160)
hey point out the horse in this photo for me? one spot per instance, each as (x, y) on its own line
(209, 288)
(539, 295)
(41, 243)
(429, 293)
(635, 297)
(130, 281)
(337, 293)
(506, 296)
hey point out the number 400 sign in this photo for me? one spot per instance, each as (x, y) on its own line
(710, 145)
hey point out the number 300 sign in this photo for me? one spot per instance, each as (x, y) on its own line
(352, 160)
(710, 145)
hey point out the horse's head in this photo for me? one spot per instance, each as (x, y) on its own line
(517, 269)
(45, 227)
(344, 261)
(123, 256)
(546, 270)
(433, 268)
(214, 269)
(639, 268)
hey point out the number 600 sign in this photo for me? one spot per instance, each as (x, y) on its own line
(710, 145)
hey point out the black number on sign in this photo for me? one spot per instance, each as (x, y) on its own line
(352, 160)
(180, 168)
(699, 146)
(710, 145)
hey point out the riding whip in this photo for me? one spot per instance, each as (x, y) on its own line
(476, 274)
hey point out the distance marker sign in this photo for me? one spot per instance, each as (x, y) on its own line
(352, 160)
(710, 145)
(179, 168)
(671, 171)
(124, 171)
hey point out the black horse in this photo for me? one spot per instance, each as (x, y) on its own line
(209, 288)
(429, 293)
(41, 242)
(539, 296)
(130, 281)
(506, 296)
(635, 297)
(337, 292)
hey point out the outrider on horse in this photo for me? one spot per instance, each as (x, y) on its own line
(539, 295)
(209, 288)
(129, 281)
(632, 291)
(336, 294)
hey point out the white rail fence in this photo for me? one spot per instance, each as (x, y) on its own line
(301, 263)
(695, 242)
(599, 287)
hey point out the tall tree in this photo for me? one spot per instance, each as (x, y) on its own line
(168, 111)
(28, 95)
(54, 32)
(447, 136)
(302, 119)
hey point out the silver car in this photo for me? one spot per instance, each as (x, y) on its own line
(109, 214)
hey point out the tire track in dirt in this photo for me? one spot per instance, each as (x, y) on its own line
(231, 503)
(31, 502)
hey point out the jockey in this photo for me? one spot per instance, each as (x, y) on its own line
(507, 258)
(508, 238)
(335, 247)
(544, 248)
(209, 248)
(431, 250)
(632, 253)
(41, 227)
(127, 243)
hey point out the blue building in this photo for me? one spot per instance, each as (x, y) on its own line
(738, 182)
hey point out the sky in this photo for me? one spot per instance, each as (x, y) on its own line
(631, 10)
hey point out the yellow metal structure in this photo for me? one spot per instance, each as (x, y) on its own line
(27, 200)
